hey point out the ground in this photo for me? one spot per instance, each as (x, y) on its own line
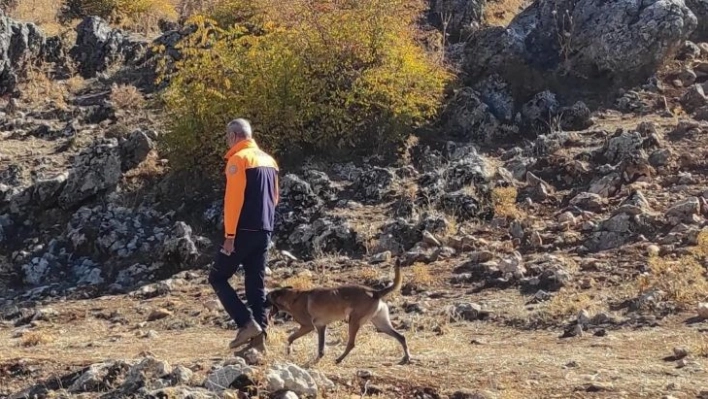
(502, 362)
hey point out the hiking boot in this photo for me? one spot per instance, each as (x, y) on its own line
(258, 343)
(245, 334)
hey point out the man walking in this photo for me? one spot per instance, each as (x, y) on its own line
(249, 210)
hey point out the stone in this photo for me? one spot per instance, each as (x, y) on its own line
(96, 169)
(222, 378)
(457, 18)
(694, 98)
(684, 211)
(296, 379)
(98, 47)
(135, 149)
(622, 43)
(466, 312)
(589, 202)
(702, 310)
(158, 314)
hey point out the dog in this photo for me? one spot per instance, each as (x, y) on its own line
(316, 308)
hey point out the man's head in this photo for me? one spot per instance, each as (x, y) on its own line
(238, 130)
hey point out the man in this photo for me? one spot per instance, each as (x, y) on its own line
(249, 208)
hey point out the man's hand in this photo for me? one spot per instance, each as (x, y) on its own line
(228, 246)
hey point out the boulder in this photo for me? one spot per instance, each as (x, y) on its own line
(135, 149)
(296, 379)
(700, 9)
(617, 44)
(98, 46)
(20, 44)
(95, 170)
(456, 18)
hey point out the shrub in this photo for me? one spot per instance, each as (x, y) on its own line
(334, 75)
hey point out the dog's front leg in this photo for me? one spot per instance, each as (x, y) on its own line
(304, 330)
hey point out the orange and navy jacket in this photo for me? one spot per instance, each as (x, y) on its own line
(251, 189)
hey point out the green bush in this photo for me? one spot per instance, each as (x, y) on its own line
(322, 77)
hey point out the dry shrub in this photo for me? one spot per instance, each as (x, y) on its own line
(301, 281)
(36, 338)
(682, 280)
(501, 12)
(367, 275)
(504, 201)
(569, 304)
(126, 97)
(420, 275)
(38, 87)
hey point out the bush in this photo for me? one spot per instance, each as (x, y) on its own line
(334, 75)
(131, 13)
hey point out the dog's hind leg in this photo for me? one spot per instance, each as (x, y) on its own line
(321, 329)
(354, 326)
(382, 322)
(304, 330)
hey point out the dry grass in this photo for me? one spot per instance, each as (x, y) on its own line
(504, 201)
(126, 98)
(41, 12)
(682, 280)
(38, 87)
(36, 338)
(302, 281)
(420, 276)
(501, 12)
(568, 304)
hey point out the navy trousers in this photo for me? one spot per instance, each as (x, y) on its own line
(251, 251)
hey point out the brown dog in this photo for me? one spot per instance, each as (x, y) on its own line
(314, 309)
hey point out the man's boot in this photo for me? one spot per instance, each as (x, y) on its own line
(245, 334)
(258, 343)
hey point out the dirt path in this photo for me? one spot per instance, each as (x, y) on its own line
(501, 362)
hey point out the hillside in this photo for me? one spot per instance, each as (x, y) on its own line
(551, 219)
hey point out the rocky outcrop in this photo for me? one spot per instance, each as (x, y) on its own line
(20, 44)
(456, 18)
(700, 9)
(98, 46)
(566, 43)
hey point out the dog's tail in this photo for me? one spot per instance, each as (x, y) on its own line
(397, 282)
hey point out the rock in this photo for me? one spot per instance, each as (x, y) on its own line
(576, 117)
(539, 112)
(680, 353)
(158, 314)
(660, 157)
(321, 184)
(622, 43)
(467, 395)
(149, 373)
(702, 310)
(326, 234)
(98, 47)
(457, 18)
(429, 239)
(296, 379)
(687, 77)
(460, 204)
(513, 265)
(221, 379)
(286, 395)
(466, 312)
(20, 44)
(694, 98)
(135, 150)
(96, 377)
(700, 9)
(470, 118)
(537, 189)
(584, 318)
(589, 202)
(95, 170)
(46, 190)
(180, 248)
(495, 92)
(684, 211)
(373, 185)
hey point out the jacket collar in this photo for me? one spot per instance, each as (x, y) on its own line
(248, 143)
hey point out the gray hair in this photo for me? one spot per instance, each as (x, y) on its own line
(240, 127)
